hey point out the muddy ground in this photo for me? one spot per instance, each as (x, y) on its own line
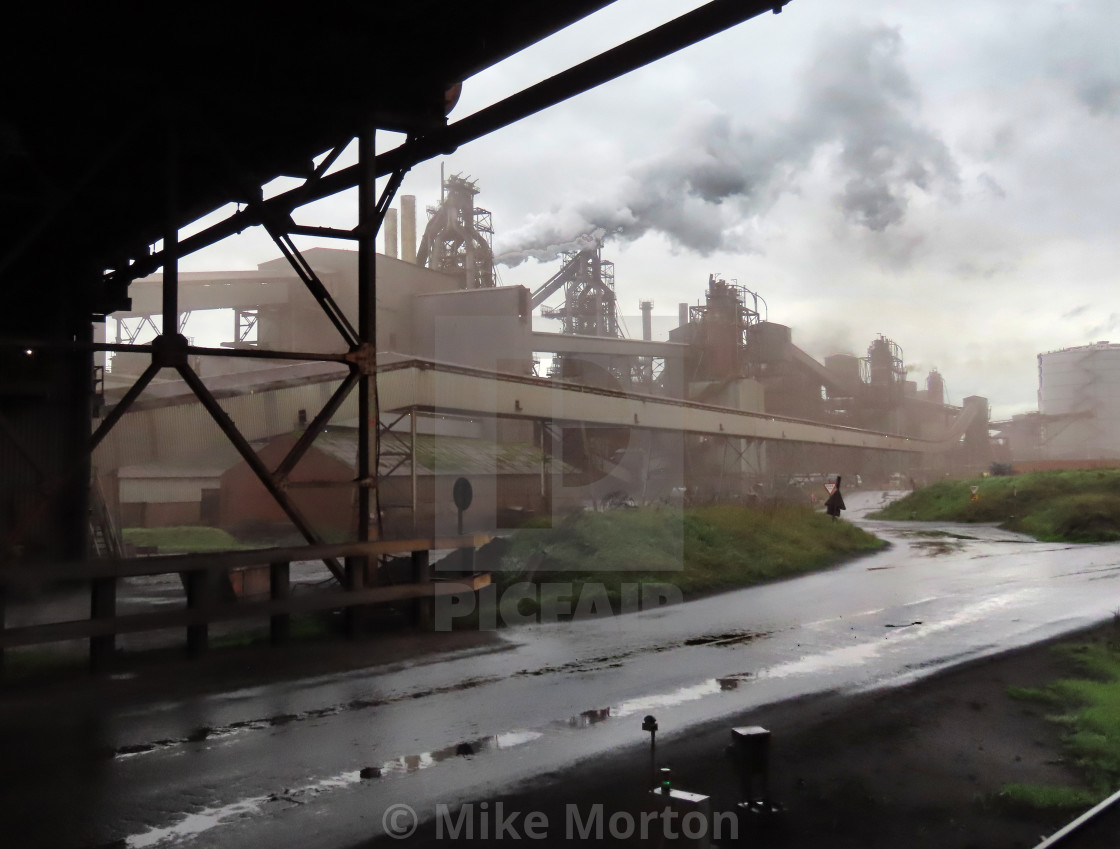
(914, 767)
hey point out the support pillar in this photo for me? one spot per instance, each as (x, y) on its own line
(102, 605)
(423, 610)
(367, 330)
(412, 463)
(280, 588)
(198, 635)
(355, 574)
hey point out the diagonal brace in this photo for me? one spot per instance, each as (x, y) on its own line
(122, 406)
(314, 428)
(310, 280)
(250, 457)
(276, 223)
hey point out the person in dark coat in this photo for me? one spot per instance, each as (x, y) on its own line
(835, 502)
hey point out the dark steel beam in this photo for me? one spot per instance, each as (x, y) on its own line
(171, 234)
(329, 160)
(688, 29)
(251, 353)
(311, 280)
(315, 428)
(367, 303)
(10, 432)
(322, 232)
(278, 223)
(122, 405)
(222, 419)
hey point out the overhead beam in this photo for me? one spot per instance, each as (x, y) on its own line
(572, 343)
(455, 390)
(690, 28)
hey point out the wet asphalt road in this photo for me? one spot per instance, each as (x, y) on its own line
(278, 765)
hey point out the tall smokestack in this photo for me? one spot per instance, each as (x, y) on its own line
(682, 314)
(391, 233)
(408, 228)
(647, 319)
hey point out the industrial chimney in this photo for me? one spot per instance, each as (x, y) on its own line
(682, 315)
(408, 228)
(647, 319)
(391, 233)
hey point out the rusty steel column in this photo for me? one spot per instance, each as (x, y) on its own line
(102, 605)
(280, 589)
(367, 333)
(171, 235)
(412, 462)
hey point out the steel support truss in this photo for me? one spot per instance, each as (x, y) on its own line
(171, 350)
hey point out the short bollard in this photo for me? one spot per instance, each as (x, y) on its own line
(650, 724)
(750, 753)
(750, 750)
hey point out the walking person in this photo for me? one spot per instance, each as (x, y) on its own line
(835, 502)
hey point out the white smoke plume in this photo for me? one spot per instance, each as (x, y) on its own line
(856, 101)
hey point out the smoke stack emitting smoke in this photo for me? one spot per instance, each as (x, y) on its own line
(856, 97)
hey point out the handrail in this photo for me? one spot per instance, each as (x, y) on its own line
(161, 564)
(1059, 837)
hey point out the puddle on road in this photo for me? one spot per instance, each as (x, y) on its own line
(945, 534)
(729, 639)
(935, 548)
(194, 824)
(208, 734)
(468, 748)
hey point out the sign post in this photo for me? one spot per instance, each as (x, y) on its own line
(463, 493)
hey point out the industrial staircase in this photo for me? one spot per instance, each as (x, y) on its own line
(104, 537)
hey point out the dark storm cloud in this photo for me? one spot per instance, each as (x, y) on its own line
(1080, 48)
(857, 104)
(1101, 96)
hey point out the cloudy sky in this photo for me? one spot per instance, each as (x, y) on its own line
(944, 174)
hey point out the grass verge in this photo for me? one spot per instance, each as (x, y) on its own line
(1074, 505)
(180, 539)
(699, 550)
(1087, 708)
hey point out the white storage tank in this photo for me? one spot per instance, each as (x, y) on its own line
(1086, 381)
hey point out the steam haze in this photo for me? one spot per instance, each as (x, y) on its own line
(941, 173)
(857, 106)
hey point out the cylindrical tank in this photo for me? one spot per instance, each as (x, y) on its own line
(1083, 382)
(771, 341)
(844, 366)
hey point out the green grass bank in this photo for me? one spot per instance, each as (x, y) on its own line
(182, 539)
(1087, 707)
(1065, 506)
(700, 550)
